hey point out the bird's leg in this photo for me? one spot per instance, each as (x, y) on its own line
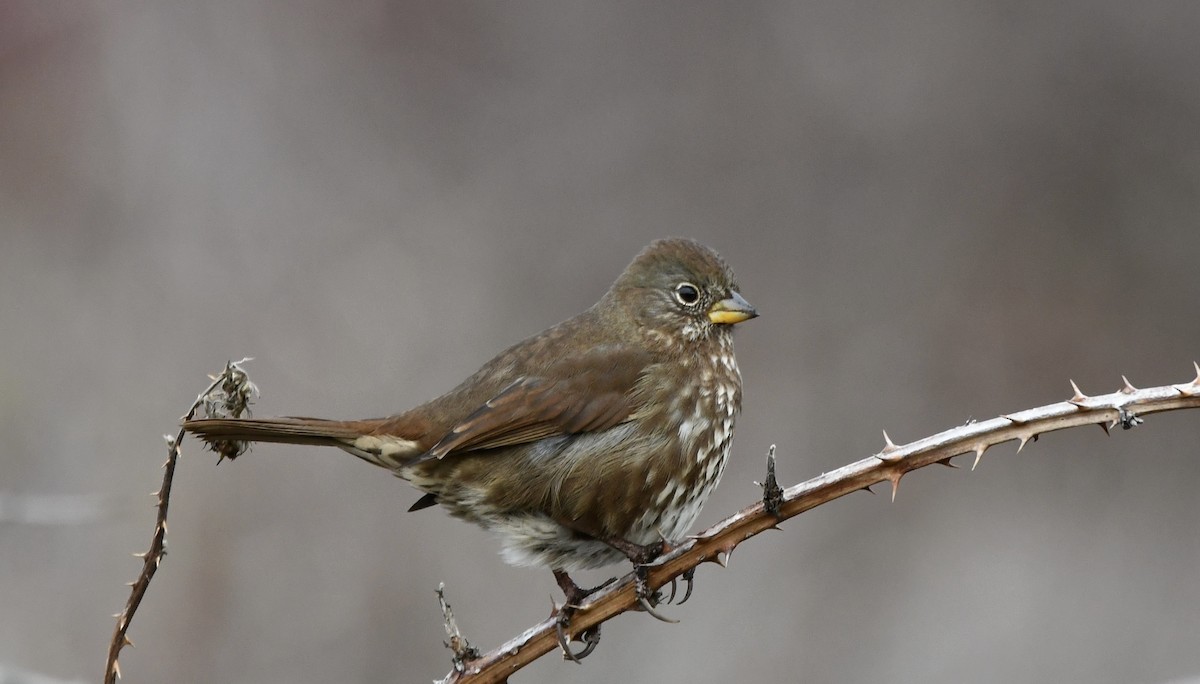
(641, 555)
(574, 598)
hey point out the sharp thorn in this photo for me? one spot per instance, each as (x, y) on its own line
(1128, 388)
(979, 449)
(1103, 426)
(1189, 389)
(1024, 440)
(1079, 397)
(895, 480)
(868, 489)
(947, 462)
(888, 447)
(128, 641)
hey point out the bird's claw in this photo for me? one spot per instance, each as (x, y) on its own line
(689, 576)
(647, 599)
(574, 599)
(590, 637)
(654, 613)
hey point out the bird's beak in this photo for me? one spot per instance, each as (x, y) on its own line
(731, 310)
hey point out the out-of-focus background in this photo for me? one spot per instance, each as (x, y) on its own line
(943, 211)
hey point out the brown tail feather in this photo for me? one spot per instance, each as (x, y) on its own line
(283, 430)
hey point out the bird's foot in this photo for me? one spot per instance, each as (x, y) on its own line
(647, 597)
(641, 555)
(688, 576)
(575, 595)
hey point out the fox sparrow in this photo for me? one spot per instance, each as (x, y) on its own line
(591, 442)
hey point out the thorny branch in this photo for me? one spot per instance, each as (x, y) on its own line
(229, 395)
(457, 643)
(1125, 407)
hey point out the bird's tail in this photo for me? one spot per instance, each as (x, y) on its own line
(282, 430)
(229, 437)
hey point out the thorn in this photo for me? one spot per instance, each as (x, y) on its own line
(130, 584)
(1015, 421)
(1024, 440)
(979, 449)
(888, 447)
(1190, 389)
(868, 489)
(117, 669)
(141, 554)
(1079, 397)
(117, 615)
(1103, 426)
(947, 462)
(895, 480)
(128, 641)
(1128, 388)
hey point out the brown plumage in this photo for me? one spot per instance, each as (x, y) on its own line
(593, 437)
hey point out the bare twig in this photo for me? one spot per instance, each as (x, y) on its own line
(463, 651)
(229, 395)
(1125, 407)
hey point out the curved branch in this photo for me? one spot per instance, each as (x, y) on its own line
(1123, 407)
(230, 393)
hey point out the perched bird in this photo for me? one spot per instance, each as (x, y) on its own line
(591, 442)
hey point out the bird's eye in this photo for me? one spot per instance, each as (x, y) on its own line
(687, 294)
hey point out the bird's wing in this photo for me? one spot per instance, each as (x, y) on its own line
(582, 393)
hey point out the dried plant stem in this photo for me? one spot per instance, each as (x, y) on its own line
(1123, 407)
(230, 391)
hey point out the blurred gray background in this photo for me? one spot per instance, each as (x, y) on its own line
(943, 211)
